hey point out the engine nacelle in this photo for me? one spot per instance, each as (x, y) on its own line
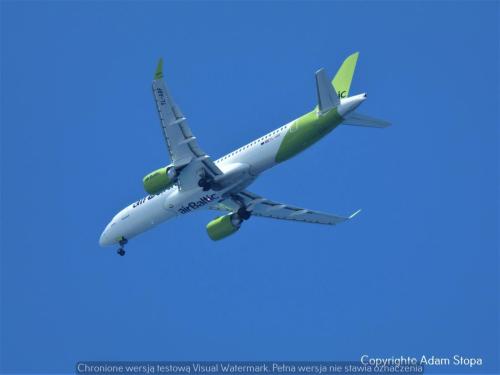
(223, 226)
(159, 180)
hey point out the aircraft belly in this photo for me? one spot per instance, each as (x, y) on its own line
(193, 200)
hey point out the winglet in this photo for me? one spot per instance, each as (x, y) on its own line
(354, 214)
(159, 70)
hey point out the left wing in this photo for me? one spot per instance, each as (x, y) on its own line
(188, 158)
(263, 207)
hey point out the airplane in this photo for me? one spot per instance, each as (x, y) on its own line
(194, 181)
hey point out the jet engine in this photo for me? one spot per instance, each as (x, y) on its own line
(159, 180)
(224, 226)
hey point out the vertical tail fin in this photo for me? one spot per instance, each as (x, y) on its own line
(343, 78)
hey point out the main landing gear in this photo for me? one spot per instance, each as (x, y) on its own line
(244, 213)
(206, 183)
(121, 250)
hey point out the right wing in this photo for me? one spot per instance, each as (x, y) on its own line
(187, 157)
(259, 206)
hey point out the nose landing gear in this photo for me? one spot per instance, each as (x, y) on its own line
(121, 250)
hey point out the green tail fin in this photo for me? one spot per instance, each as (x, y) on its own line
(343, 78)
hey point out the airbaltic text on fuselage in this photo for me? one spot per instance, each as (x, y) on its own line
(141, 201)
(197, 204)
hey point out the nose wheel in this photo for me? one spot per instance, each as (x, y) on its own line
(121, 250)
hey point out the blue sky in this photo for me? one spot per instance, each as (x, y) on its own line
(416, 273)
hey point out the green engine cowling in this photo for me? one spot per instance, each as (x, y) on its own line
(223, 226)
(159, 180)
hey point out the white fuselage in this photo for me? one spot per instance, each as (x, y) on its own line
(239, 168)
(247, 163)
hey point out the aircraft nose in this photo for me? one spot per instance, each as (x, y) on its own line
(104, 240)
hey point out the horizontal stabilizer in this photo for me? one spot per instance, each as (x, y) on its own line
(327, 97)
(357, 119)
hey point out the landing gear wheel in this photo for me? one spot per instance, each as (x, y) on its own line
(205, 183)
(121, 251)
(244, 213)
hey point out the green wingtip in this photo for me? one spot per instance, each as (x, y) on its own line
(159, 70)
